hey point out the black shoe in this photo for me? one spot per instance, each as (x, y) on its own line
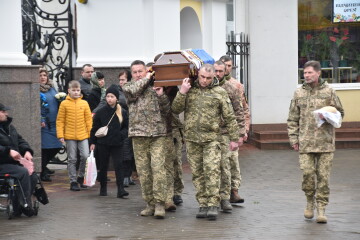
(49, 172)
(122, 193)
(74, 186)
(80, 180)
(45, 177)
(202, 212)
(103, 190)
(28, 211)
(131, 182)
(177, 200)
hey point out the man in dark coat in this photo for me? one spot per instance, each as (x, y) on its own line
(12, 149)
(86, 85)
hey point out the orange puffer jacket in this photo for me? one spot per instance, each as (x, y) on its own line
(74, 120)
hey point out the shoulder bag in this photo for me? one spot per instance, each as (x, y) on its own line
(102, 132)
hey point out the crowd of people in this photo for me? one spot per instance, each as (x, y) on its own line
(145, 135)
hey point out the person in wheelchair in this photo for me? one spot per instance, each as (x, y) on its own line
(13, 149)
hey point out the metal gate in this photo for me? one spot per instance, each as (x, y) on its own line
(48, 37)
(238, 50)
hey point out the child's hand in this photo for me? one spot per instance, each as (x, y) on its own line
(62, 140)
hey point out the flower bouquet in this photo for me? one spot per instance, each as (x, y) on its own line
(60, 96)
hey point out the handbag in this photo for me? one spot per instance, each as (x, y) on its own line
(102, 132)
(90, 171)
(40, 192)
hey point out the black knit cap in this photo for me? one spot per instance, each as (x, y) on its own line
(3, 107)
(114, 90)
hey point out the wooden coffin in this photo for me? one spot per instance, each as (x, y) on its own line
(171, 68)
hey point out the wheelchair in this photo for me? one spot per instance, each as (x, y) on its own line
(13, 199)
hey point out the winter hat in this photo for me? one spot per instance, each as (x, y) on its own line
(3, 107)
(114, 90)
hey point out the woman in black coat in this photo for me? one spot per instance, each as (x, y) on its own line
(111, 144)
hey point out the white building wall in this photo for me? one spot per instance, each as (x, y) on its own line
(214, 28)
(116, 32)
(11, 48)
(273, 58)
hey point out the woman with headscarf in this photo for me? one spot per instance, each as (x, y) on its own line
(116, 118)
(98, 91)
(50, 145)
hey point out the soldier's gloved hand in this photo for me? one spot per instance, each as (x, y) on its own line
(185, 86)
(233, 146)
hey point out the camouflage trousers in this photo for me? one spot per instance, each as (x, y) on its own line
(169, 168)
(316, 173)
(150, 158)
(204, 159)
(178, 179)
(225, 179)
(235, 170)
(230, 169)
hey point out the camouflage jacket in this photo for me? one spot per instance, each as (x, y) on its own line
(149, 114)
(234, 94)
(204, 110)
(302, 128)
(245, 105)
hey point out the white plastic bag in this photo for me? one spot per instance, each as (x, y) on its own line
(330, 117)
(90, 171)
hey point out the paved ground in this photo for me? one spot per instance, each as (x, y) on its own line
(273, 207)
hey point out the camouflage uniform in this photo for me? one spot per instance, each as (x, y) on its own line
(316, 145)
(149, 127)
(169, 167)
(226, 154)
(234, 158)
(177, 133)
(204, 109)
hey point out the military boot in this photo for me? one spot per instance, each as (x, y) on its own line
(212, 213)
(321, 218)
(225, 205)
(148, 211)
(170, 207)
(309, 210)
(159, 210)
(202, 212)
(235, 197)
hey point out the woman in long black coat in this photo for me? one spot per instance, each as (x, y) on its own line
(111, 144)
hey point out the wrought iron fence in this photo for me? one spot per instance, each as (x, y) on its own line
(238, 50)
(48, 37)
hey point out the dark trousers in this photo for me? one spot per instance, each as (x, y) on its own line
(46, 155)
(27, 182)
(104, 152)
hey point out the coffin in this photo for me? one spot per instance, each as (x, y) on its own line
(172, 67)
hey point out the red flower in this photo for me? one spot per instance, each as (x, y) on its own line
(332, 39)
(346, 31)
(308, 36)
(336, 30)
(344, 38)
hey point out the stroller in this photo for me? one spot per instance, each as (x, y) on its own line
(13, 200)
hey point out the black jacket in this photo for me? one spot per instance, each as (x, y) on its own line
(94, 98)
(117, 132)
(11, 140)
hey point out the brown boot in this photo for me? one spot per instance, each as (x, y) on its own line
(170, 207)
(159, 210)
(321, 218)
(309, 210)
(235, 197)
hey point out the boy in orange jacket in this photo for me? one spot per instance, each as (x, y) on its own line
(73, 125)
